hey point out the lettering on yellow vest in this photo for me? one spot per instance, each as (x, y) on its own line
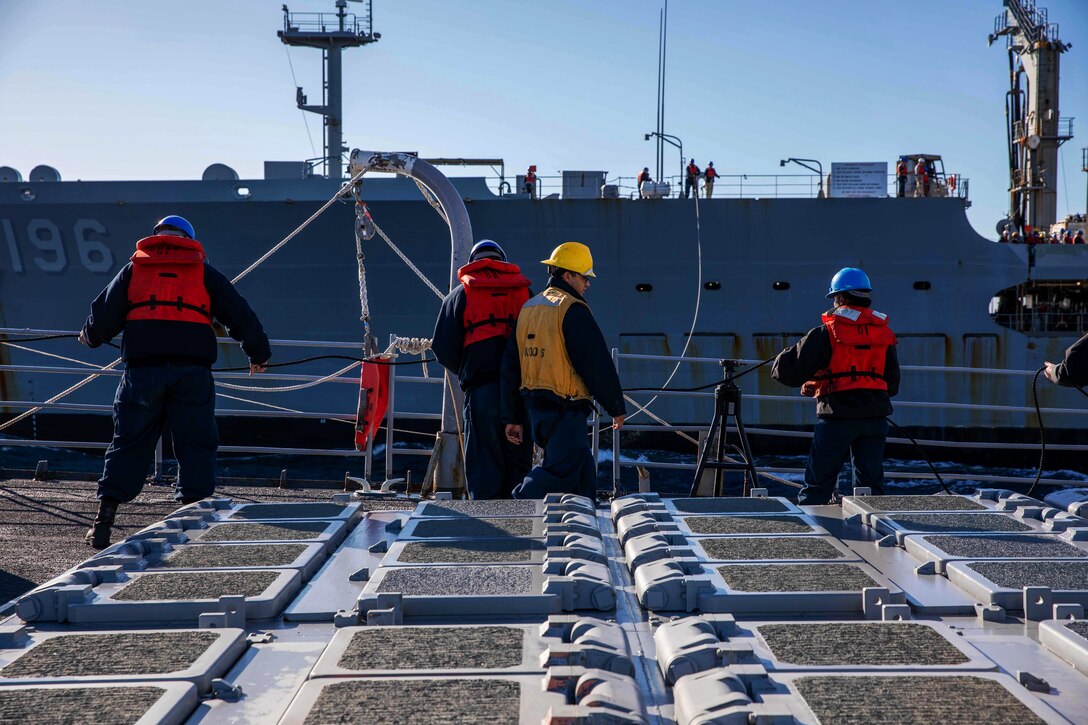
(545, 364)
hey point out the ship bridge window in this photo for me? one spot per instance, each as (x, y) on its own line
(242, 192)
(922, 285)
(644, 287)
(1049, 307)
(781, 286)
(712, 286)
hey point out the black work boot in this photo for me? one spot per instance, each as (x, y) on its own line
(98, 536)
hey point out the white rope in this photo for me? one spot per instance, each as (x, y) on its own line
(50, 354)
(275, 407)
(289, 388)
(694, 318)
(432, 200)
(363, 225)
(407, 261)
(408, 346)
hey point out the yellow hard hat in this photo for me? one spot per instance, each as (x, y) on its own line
(572, 256)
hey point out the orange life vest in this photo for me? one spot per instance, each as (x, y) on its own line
(168, 281)
(711, 173)
(901, 169)
(860, 338)
(494, 294)
(693, 170)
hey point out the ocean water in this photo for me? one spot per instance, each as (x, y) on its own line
(16, 461)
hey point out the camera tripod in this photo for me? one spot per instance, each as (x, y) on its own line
(727, 402)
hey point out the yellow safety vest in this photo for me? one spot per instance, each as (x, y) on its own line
(545, 364)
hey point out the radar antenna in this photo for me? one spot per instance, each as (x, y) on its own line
(1034, 128)
(331, 33)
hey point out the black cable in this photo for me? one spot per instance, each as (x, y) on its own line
(37, 339)
(742, 373)
(922, 451)
(1042, 429)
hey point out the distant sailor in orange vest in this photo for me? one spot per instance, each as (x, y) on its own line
(709, 176)
(165, 301)
(691, 174)
(849, 364)
(469, 338)
(901, 178)
(530, 182)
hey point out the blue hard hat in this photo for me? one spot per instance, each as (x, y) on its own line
(851, 280)
(485, 248)
(176, 223)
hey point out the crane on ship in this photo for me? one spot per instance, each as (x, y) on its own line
(1034, 127)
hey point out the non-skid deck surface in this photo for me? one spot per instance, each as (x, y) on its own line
(433, 648)
(795, 577)
(959, 522)
(859, 643)
(746, 547)
(1057, 575)
(287, 531)
(505, 507)
(102, 706)
(196, 585)
(233, 555)
(419, 702)
(920, 503)
(509, 550)
(1014, 546)
(259, 511)
(739, 505)
(867, 700)
(464, 528)
(1080, 626)
(454, 580)
(747, 525)
(128, 653)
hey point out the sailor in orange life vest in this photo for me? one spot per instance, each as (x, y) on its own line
(469, 338)
(555, 365)
(850, 366)
(164, 301)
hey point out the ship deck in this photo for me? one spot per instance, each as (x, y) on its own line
(288, 606)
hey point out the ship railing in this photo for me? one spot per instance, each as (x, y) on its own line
(1058, 323)
(325, 23)
(262, 409)
(669, 361)
(738, 186)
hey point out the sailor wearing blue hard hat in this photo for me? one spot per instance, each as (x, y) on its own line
(849, 364)
(163, 300)
(470, 334)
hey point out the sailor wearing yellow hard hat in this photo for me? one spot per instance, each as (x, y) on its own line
(556, 364)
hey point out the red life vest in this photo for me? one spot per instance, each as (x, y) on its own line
(168, 281)
(860, 338)
(530, 177)
(901, 169)
(494, 294)
(693, 170)
(710, 174)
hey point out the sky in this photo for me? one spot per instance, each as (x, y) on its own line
(133, 89)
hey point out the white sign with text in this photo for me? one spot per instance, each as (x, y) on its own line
(859, 180)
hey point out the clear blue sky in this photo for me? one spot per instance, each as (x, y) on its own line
(132, 89)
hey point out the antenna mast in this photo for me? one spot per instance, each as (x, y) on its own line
(331, 33)
(1035, 130)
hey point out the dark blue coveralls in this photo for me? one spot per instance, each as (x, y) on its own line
(167, 382)
(493, 465)
(556, 425)
(848, 422)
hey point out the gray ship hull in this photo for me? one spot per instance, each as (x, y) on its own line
(770, 259)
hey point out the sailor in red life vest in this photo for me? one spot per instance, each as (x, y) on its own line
(901, 178)
(165, 301)
(469, 338)
(691, 174)
(643, 177)
(849, 364)
(708, 179)
(530, 182)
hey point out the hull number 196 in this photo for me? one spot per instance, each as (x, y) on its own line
(42, 245)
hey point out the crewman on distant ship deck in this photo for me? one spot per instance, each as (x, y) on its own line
(476, 319)
(691, 175)
(921, 179)
(165, 301)
(556, 364)
(849, 364)
(530, 182)
(643, 178)
(901, 178)
(1072, 371)
(708, 179)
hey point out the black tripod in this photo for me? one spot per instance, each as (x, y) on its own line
(727, 399)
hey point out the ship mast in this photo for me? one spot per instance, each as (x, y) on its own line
(1035, 130)
(331, 33)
